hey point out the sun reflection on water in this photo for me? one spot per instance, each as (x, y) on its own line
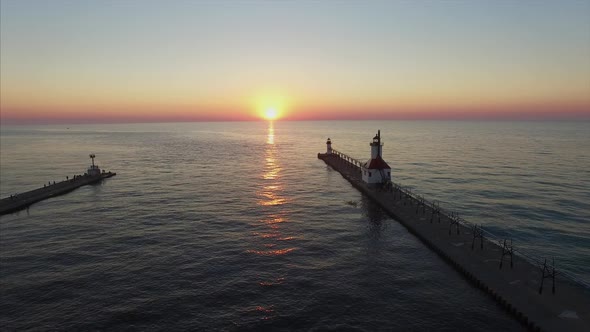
(271, 241)
(270, 138)
(270, 196)
(276, 252)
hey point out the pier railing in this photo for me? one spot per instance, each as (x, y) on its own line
(457, 220)
(353, 161)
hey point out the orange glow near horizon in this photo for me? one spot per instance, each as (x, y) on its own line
(101, 113)
(354, 103)
(300, 105)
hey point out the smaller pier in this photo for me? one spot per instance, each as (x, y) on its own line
(21, 201)
(532, 290)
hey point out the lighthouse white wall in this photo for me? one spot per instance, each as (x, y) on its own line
(374, 176)
(329, 148)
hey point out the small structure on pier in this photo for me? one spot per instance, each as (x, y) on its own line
(376, 170)
(329, 146)
(93, 170)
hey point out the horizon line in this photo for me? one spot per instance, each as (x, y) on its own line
(46, 122)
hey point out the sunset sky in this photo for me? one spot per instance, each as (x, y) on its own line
(144, 61)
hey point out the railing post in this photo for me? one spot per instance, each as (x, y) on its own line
(454, 221)
(542, 276)
(507, 249)
(553, 275)
(477, 233)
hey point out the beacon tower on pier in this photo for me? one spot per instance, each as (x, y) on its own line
(93, 170)
(376, 170)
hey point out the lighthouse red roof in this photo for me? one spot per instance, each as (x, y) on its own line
(377, 163)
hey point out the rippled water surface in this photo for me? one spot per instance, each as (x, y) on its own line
(238, 226)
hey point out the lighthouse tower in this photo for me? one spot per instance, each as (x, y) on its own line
(93, 170)
(329, 146)
(376, 170)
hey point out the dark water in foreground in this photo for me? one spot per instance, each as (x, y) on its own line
(228, 226)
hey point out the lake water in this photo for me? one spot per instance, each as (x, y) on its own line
(238, 226)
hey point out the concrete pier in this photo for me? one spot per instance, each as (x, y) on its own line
(21, 201)
(532, 291)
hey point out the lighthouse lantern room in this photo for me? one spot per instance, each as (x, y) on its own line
(376, 170)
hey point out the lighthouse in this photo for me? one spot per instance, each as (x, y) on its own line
(93, 170)
(329, 146)
(376, 170)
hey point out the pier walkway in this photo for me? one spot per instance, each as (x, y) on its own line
(21, 201)
(534, 292)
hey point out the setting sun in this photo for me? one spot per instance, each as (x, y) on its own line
(271, 106)
(271, 113)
